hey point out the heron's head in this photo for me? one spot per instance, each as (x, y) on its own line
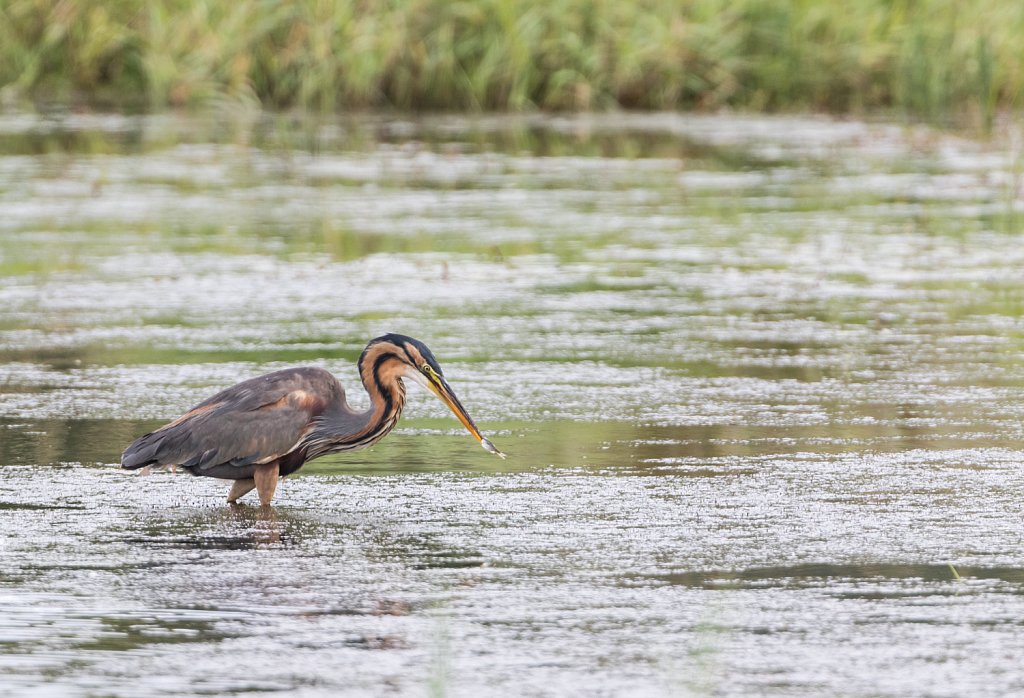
(392, 357)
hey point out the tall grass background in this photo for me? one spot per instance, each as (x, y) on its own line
(930, 58)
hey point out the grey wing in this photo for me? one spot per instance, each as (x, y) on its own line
(254, 422)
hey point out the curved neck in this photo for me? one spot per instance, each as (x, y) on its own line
(381, 373)
(342, 429)
(380, 370)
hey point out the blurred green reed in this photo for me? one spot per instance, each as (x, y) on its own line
(928, 58)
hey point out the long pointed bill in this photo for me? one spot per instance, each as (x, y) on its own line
(439, 386)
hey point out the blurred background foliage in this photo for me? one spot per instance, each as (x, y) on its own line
(929, 58)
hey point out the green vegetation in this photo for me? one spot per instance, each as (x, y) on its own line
(929, 58)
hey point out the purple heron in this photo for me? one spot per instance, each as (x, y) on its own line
(267, 427)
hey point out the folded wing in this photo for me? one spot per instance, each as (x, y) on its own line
(254, 422)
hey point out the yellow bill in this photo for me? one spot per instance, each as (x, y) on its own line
(439, 386)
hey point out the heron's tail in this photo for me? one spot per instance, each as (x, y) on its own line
(142, 452)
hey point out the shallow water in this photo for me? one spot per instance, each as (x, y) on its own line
(759, 378)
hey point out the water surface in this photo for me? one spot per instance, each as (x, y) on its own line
(759, 378)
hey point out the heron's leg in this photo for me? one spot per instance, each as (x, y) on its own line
(266, 481)
(239, 488)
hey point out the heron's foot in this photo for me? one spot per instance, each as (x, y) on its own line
(239, 488)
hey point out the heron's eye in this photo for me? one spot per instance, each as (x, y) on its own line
(426, 369)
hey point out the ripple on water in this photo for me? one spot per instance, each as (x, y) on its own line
(759, 379)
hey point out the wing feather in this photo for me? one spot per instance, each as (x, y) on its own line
(256, 421)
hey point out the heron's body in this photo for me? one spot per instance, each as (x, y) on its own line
(269, 426)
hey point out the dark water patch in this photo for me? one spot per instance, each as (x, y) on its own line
(450, 560)
(97, 134)
(820, 574)
(120, 634)
(78, 566)
(207, 542)
(27, 506)
(576, 137)
(56, 138)
(438, 445)
(56, 442)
